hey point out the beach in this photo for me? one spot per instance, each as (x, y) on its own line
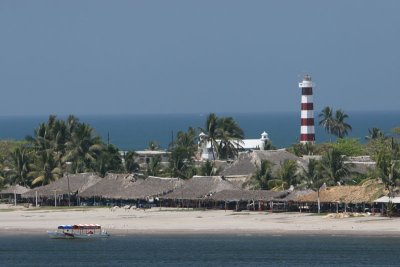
(175, 221)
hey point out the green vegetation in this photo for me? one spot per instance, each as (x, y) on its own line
(335, 125)
(224, 135)
(60, 146)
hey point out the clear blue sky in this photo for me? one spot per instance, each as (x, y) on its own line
(113, 57)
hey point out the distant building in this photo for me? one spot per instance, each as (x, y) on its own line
(245, 145)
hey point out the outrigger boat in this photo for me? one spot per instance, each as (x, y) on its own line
(78, 231)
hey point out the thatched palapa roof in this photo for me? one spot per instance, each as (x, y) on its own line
(200, 187)
(154, 186)
(346, 194)
(297, 194)
(247, 162)
(18, 189)
(247, 195)
(125, 186)
(112, 186)
(77, 183)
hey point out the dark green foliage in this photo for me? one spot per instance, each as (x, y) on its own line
(154, 166)
(130, 163)
(334, 125)
(225, 136)
(207, 168)
(333, 166)
(263, 176)
(43, 157)
(109, 160)
(300, 149)
(349, 147)
(182, 154)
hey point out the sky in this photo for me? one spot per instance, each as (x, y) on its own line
(131, 57)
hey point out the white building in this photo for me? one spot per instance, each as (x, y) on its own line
(246, 144)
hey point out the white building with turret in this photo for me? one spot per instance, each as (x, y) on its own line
(245, 145)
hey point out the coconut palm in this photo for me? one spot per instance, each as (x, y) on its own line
(45, 169)
(374, 133)
(182, 154)
(83, 147)
(154, 166)
(340, 127)
(207, 168)
(288, 173)
(262, 176)
(313, 178)
(109, 159)
(20, 162)
(153, 145)
(327, 120)
(333, 167)
(230, 137)
(211, 133)
(130, 163)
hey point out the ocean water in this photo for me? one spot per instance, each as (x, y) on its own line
(201, 250)
(134, 132)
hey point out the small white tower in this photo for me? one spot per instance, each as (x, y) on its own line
(263, 139)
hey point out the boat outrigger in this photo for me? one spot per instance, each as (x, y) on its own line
(78, 231)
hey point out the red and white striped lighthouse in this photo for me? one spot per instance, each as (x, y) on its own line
(307, 130)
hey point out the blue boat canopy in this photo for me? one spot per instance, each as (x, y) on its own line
(65, 227)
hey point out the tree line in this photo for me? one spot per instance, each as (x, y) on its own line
(70, 146)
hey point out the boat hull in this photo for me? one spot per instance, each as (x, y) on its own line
(61, 235)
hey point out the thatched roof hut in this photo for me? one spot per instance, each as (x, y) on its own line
(17, 189)
(296, 195)
(77, 183)
(153, 186)
(346, 194)
(247, 163)
(125, 186)
(200, 187)
(247, 195)
(113, 186)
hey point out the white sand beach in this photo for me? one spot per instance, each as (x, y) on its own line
(29, 220)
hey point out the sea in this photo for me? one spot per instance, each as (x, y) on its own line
(201, 250)
(135, 131)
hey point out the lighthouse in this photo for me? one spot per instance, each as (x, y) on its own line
(307, 130)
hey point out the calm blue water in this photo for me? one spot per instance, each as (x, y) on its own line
(134, 132)
(201, 250)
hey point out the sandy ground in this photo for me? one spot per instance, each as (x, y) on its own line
(120, 221)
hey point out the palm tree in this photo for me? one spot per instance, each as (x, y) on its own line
(327, 120)
(109, 159)
(288, 173)
(211, 134)
(374, 133)
(207, 168)
(182, 154)
(153, 145)
(20, 162)
(230, 135)
(130, 163)
(224, 135)
(340, 127)
(333, 167)
(45, 169)
(262, 176)
(154, 166)
(82, 148)
(313, 178)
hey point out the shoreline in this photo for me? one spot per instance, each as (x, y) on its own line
(195, 222)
